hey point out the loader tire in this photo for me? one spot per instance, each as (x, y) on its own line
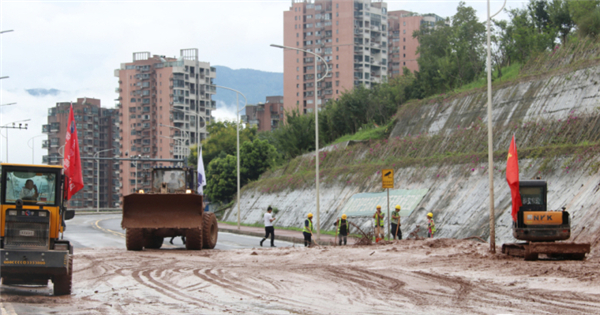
(134, 239)
(62, 283)
(210, 230)
(531, 257)
(193, 239)
(153, 242)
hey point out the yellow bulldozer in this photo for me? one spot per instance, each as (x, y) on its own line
(544, 231)
(172, 207)
(32, 218)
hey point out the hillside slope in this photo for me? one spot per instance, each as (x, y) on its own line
(441, 145)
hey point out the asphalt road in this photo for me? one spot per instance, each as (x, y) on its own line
(104, 231)
(99, 231)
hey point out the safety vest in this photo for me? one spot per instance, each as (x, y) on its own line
(340, 223)
(379, 220)
(309, 226)
(431, 226)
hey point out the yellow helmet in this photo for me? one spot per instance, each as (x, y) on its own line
(344, 216)
(398, 207)
(378, 207)
(430, 215)
(310, 215)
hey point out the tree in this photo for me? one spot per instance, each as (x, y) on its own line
(222, 137)
(561, 18)
(586, 15)
(256, 157)
(221, 178)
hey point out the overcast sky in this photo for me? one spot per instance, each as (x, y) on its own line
(75, 46)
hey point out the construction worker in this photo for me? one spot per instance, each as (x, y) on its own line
(343, 229)
(430, 225)
(396, 223)
(307, 231)
(379, 222)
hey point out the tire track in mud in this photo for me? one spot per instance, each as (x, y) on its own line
(218, 279)
(543, 300)
(163, 289)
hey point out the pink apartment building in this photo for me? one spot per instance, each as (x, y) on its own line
(351, 36)
(165, 104)
(265, 116)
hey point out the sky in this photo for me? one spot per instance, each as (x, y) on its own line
(75, 46)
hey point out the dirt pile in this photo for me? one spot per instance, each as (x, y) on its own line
(438, 276)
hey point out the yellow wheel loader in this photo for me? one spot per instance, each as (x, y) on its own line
(32, 219)
(172, 207)
(542, 230)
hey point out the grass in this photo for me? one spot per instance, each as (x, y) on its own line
(508, 74)
(368, 133)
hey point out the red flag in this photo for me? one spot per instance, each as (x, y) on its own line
(512, 177)
(72, 161)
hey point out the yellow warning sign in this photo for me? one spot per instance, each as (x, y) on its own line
(387, 178)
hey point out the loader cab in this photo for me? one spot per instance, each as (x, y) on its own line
(174, 180)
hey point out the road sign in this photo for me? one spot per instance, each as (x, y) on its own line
(387, 178)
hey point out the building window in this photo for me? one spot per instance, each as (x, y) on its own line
(404, 63)
(404, 23)
(337, 48)
(337, 83)
(337, 57)
(404, 55)
(337, 74)
(404, 31)
(337, 40)
(337, 5)
(337, 66)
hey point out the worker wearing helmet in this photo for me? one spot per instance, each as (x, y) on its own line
(430, 225)
(307, 231)
(396, 223)
(342, 229)
(379, 222)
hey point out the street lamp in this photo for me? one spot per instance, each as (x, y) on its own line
(13, 103)
(14, 127)
(32, 146)
(96, 156)
(490, 144)
(316, 123)
(237, 104)
(7, 31)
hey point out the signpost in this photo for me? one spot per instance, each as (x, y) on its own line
(387, 182)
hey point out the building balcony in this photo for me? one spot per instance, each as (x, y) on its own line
(45, 144)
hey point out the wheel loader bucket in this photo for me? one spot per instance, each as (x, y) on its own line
(155, 211)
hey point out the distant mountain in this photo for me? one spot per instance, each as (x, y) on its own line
(256, 85)
(43, 92)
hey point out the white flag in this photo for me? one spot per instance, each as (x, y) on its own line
(201, 175)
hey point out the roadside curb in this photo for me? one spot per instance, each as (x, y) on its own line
(292, 239)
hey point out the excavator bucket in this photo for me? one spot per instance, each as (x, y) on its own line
(155, 211)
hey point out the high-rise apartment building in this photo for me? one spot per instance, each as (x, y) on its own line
(351, 36)
(165, 104)
(403, 47)
(265, 116)
(97, 128)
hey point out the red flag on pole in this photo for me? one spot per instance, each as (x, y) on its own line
(512, 177)
(72, 161)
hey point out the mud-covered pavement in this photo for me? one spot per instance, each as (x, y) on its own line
(439, 276)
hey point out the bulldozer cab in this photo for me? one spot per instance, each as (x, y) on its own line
(174, 180)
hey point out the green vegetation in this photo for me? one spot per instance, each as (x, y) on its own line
(542, 38)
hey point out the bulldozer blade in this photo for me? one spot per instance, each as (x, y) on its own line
(155, 211)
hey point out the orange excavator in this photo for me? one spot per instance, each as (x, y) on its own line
(543, 231)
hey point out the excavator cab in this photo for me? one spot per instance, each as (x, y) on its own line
(534, 222)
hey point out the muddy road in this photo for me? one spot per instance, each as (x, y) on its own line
(439, 276)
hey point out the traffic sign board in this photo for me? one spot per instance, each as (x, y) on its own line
(387, 178)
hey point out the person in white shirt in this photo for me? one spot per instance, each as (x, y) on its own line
(268, 218)
(29, 192)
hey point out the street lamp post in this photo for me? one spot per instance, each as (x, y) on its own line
(6, 136)
(237, 103)
(490, 144)
(96, 155)
(316, 124)
(32, 146)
